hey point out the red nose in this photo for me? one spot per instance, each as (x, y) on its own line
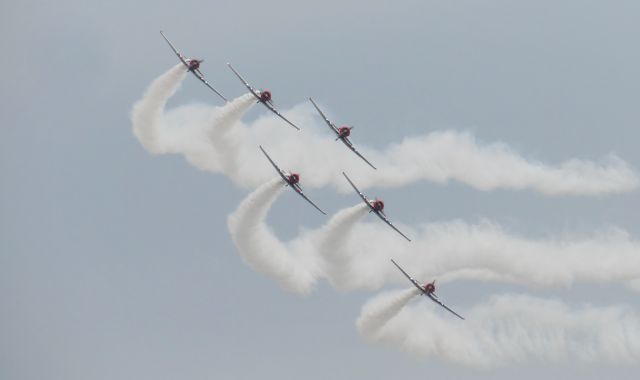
(344, 131)
(379, 205)
(294, 178)
(429, 288)
(265, 96)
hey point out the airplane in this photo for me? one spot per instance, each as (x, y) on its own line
(263, 96)
(427, 289)
(375, 206)
(291, 179)
(342, 133)
(193, 66)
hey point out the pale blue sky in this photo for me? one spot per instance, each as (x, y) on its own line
(115, 264)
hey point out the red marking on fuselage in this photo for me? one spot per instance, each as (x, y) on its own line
(429, 288)
(294, 178)
(344, 131)
(194, 64)
(378, 205)
(265, 96)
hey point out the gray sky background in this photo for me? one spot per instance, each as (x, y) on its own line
(116, 264)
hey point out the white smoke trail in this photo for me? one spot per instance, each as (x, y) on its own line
(486, 252)
(507, 329)
(379, 310)
(260, 249)
(438, 156)
(198, 132)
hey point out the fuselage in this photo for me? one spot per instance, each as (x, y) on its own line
(293, 178)
(377, 205)
(344, 131)
(265, 96)
(193, 64)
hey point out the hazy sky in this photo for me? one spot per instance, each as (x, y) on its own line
(117, 264)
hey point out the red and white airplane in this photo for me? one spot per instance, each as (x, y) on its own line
(375, 206)
(343, 133)
(263, 96)
(291, 179)
(193, 66)
(427, 289)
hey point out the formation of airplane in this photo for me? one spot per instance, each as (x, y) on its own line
(343, 133)
(427, 289)
(263, 96)
(376, 206)
(292, 180)
(193, 66)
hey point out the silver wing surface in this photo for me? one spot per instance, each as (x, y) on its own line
(255, 93)
(198, 74)
(431, 296)
(434, 299)
(381, 216)
(280, 172)
(335, 130)
(350, 146)
(297, 189)
(180, 56)
(413, 281)
(364, 197)
(329, 123)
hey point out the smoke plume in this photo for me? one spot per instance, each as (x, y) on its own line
(195, 131)
(505, 330)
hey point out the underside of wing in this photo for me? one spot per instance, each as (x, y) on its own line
(445, 306)
(307, 199)
(413, 281)
(246, 84)
(203, 80)
(350, 146)
(174, 49)
(364, 198)
(274, 164)
(272, 108)
(326, 120)
(391, 225)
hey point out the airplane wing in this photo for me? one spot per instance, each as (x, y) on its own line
(246, 84)
(413, 281)
(299, 191)
(197, 74)
(431, 297)
(350, 146)
(295, 188)
(255, 93)
(284, 178)
(445, 306)
(329, 123)
(274, 110)
(175, 50)
(364, 197)
(391, 225)
(201, 77)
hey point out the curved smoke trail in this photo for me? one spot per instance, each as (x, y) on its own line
(507, 329)
(260, 248)
(380, 310)
(439, 156)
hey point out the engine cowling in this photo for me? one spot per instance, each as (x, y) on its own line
(194, 64)
(430, 287)
(265, 96)
(294, 178)
(378, 205)
(344, 131)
